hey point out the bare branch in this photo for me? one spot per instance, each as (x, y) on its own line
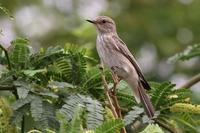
(107, 92)
(115, 100)
(7, 88)
(191, 82)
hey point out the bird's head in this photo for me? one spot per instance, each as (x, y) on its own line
(104, 24)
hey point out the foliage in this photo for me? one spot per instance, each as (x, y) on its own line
(6, 11)
(152, 128)
(75, 125)
(110, 126)
(187, 115)
(190, 52)
(5, 113)
(93, 107)
(164, 95)
(60, 90)
(185, 107)
(133, 115)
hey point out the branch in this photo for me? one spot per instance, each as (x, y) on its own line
(106, 89)
(191, 82)
(114, 95)
(7, 88)
(7, 56)
(115, 109)
(115, 100)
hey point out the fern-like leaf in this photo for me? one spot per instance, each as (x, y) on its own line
(44, 58)
(133, 115)
(94, 113)
(36, 108)
(70, 104)
(152, 128)
(76, 123)
(188, 53)
(94, 109)
(164, 95)
(20, 53)
(19, 113)
(21, 102)
(46, 116)
(111, 126)
(186, 125)
(160, 93)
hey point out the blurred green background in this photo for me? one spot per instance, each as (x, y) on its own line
(154, 30)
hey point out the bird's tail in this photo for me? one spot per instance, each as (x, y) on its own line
(145, 100)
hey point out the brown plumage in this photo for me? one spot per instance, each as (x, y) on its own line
(114, 53)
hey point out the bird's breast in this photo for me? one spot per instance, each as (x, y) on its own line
(107, 52)
(104, 50)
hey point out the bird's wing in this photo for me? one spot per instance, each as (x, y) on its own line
(121, 47)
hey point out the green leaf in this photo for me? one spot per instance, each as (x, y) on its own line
(61, 85)
(152, 128)
(64, 125)
(20, 53)
(19, 113)
(23, 88)
(111, 126)
(161, 93)
(186, 124)
(22, 92)
(133, 115)
(165, 95)
(33, 72)
(48, 94)
(45, 58)
(188, 53)
(126, 100)
(76, 123)
(95, 112)
(20, 41)
(70, 104)
(36, 108)
(21, 102)
(6, 11)
(46, 119)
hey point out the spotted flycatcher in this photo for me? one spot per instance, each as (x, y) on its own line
(114, 54)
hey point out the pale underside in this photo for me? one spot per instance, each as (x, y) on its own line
(108, 50)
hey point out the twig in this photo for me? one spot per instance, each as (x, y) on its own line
(115, 100)
(107, 92)
(7, 56)
(115, 109)
(114, 95)
(122, 108)
(191, 82)
(7, 88)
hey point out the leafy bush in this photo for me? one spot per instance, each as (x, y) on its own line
(59, 90)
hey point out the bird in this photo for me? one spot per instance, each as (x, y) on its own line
(115, 55)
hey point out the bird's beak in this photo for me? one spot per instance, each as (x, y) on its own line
(91, 21)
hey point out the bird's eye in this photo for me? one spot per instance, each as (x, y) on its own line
(103, 21)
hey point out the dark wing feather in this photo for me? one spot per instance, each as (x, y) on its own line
(122, 48)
